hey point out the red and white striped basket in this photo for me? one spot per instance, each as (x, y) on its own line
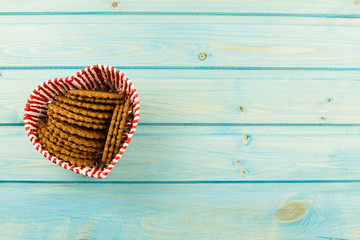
(90, 78)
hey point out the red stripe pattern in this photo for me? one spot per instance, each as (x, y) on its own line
(90, 78)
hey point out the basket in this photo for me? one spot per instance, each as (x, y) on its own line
(91, 78)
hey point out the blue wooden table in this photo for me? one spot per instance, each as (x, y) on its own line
(249, 125)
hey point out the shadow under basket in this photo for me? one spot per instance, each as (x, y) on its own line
(91, 78)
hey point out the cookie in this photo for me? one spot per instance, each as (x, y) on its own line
(64, 143)
(71, 141)
(86, 105)
(54, 108)
(69, 156)
(114, 134)
(74, 161)
(42, 125)
(115, 120)
(95, 96)
(114, 150)
(71, 129)
(84, 111)
(53, 147)
(97, 100)
(58, 117)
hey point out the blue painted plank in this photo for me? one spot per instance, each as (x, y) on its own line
(215, 96)
(178, 211)
(200, 153)
(145, 40)
(336, 7)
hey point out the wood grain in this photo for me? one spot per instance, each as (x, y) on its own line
(180, 211)
(215, 96)
(195, 153)
(246, 141)
(337, 7)
(122, 40)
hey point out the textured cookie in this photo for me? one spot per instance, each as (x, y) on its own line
(41, 130)
(74, 161)
(42, 125)
(79, 142)
(94, 106)
(114, 135)
(115, 147)
(96, 100)
(45, 136)
(51, 146)
(115, 119)
(59, 117)
(54, 108)
(95, 94)
(84, 111)
(63, 144)
(85, 133)
(74, 142)
(49, 138)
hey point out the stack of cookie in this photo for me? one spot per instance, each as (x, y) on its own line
(84, 126)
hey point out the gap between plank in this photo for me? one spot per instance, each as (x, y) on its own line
(232, 124)
(178, 182)
(242, 68)
(299, 15)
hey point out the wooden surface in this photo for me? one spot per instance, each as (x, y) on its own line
(261, 140)
(181, 211)
(276, 7)
(203, 96)
(170, 40)
(207, 153)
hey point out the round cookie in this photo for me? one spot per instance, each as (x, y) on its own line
(95, 96)
(70, 129)
(84, 111)
(59, 117)
(114, 119)
(87, 105)
(54, 108)
(73, 141)
(121, 129)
